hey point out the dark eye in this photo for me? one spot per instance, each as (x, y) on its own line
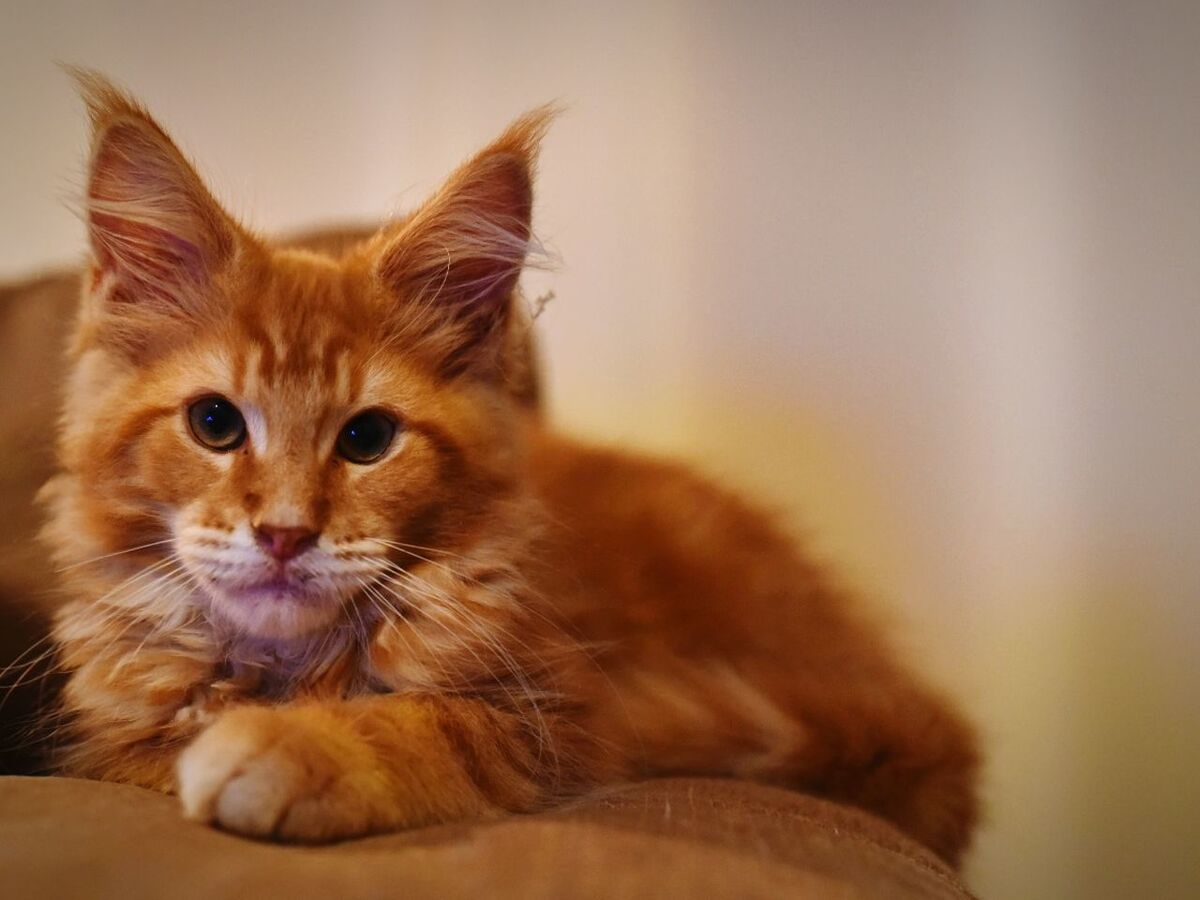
(217, 424)
(366, 437)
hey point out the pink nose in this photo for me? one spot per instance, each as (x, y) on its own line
(284, 543)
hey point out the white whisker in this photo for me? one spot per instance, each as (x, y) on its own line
(96, 559)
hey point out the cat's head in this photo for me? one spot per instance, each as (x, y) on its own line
(287, 424)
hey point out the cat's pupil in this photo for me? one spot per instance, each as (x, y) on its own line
(366, 437)
(217, 424)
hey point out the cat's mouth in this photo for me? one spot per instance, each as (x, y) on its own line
(253, 594)
(277, 587)
(278, 605)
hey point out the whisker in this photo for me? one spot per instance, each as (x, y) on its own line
(400, 545)
(29, 666)
(451, 599)
(96, 559)
(178, 587)
(506, 660)
(378, 598)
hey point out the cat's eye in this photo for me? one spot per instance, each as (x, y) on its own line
(366, 437)
(217, 424)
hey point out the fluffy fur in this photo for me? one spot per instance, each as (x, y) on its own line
(490, 618)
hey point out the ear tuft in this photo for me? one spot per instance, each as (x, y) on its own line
(103, 99)
(523, 138)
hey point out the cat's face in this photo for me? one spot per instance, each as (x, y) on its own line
(292, 452)
(290, 426)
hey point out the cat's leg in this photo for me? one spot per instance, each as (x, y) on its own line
(322, 770)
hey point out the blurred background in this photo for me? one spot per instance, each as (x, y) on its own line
(922, 276)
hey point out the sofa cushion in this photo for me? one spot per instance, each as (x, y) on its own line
(708, 838)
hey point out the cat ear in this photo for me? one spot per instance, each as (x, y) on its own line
(453, 265)
(157, 235)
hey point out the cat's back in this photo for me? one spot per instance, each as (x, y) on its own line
(652, 546)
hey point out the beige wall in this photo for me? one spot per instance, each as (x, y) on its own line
(923, 274)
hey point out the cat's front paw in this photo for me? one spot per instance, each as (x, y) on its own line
(285, 773)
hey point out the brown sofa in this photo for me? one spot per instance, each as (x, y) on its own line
(65, 838)
(705, 838)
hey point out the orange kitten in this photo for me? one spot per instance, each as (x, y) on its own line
(330, 574)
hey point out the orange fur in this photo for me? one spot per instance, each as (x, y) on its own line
(491, 616)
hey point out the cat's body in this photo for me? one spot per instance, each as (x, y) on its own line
(317, 640)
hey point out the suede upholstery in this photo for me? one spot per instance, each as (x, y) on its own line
(708, 838)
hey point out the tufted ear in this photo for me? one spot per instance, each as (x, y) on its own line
(157, 235)
(453, 265)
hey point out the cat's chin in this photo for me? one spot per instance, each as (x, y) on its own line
(272, 612)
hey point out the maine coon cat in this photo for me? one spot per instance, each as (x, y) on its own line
(330, 574)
